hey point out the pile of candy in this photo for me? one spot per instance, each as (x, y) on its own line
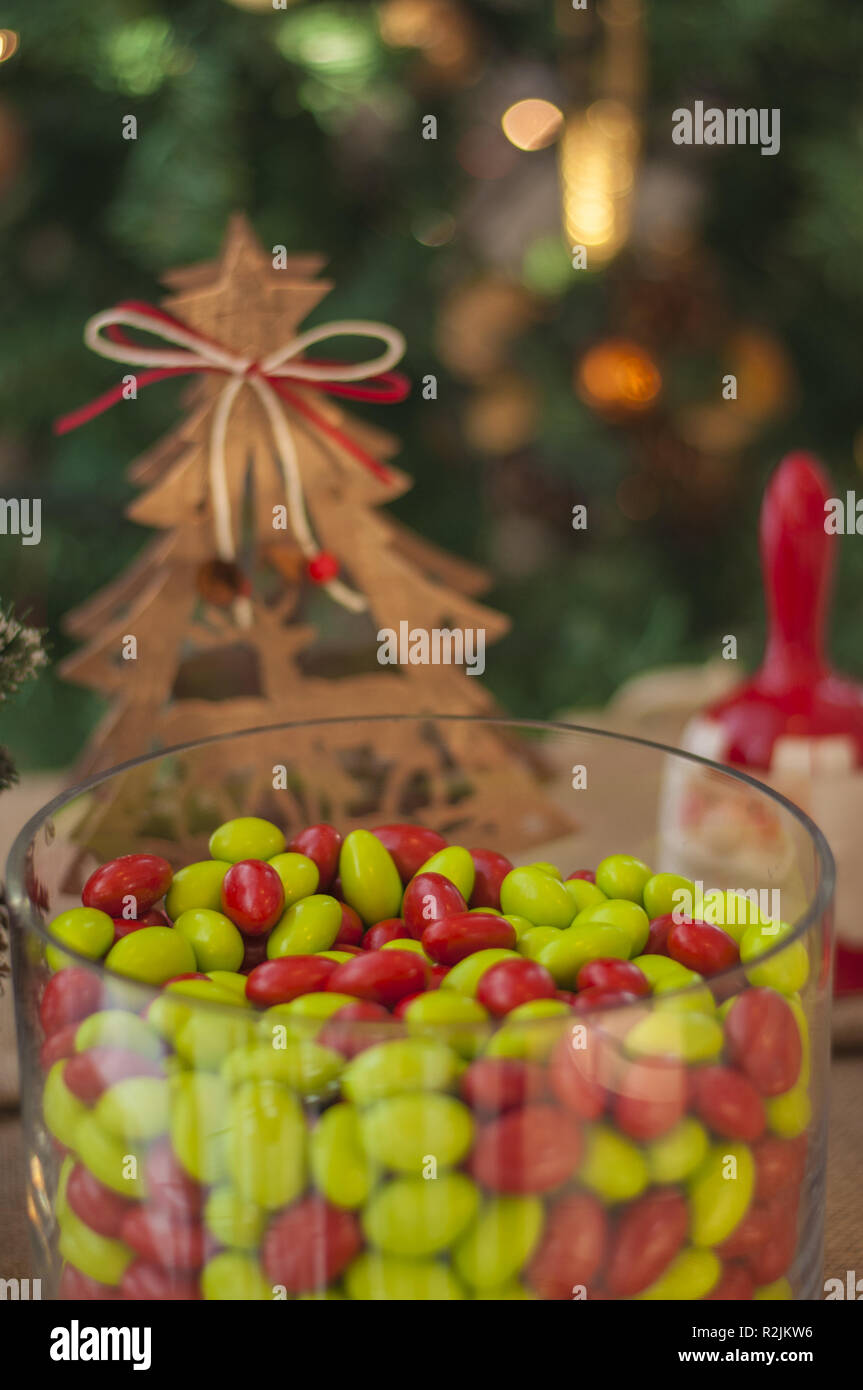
(384, 1067)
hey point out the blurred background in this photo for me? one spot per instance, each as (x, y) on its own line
(557, 386)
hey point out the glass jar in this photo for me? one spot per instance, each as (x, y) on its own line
(667, 1144)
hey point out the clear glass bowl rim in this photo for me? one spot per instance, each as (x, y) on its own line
(22, 913)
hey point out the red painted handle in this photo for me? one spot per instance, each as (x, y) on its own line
(797, 558)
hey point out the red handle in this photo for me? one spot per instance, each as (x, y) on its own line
(797, 558)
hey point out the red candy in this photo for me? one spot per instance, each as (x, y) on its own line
(163, 1237)
(702, 947)
(144, 1282)
(657, 936)
(728, 1103)
(735, 1286)
(321, 843)
(779, 1165)
(340, 1031)
(76, 1287)
(763, 1040)
(752, 1232)
(572, 1248)
(308, 1246)
(491, 870)
(512, 982)
(384, 977)
(70, 995)
(59, 1045)
(143, 877)
(648, 1236)
(351, 931)
(587, 874)
(610, 974)
(89, 1073)
(409, 846)
(532, 1149)
(97, 1206)
(492, 1085)
(453, 938)
(390, 929)
(253, 896)
(652, 1099)
(428, 898)
(286, 978)
(574, 1075)
(774, 1256)
(598, 998)
(169, 1186)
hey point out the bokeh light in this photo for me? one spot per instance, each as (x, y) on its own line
(618, 376)
(8, 44)
(532, 124)
(434, 229)
(598, 153)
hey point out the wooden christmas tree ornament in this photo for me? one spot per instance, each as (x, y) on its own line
(274, 565)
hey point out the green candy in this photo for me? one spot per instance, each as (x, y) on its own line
(524, 1043)
(418, 1217)
(789, 1114)
(311, 925)
(612, 1166)
(530, 893)
(204, 1040)
(627, 916)
(623, 876)
(506, 1293)
(137, 1108)
(787, 972)
(115, 1162)
(338, 956)
(658, 894)
(520, 925)
(233, 1276)
(531, 943)
(690, 1276)
(455, 864)
(579, 944)
(546, 868)
(85, 930)
(340, 1166)
(213, 937)
(407, 944)
(152, 955)
(779, 1291)
(370, 880)
(720, 1192)
(657, 969)
(699, 1001)
(196, 886)
(465, 977)
(266, 1144)
(688, 1037)
(301, 1064)
(247, 837)
(384, 1278)
(393, 1068)
(584, 894)
(234, 1220)
(299, 874)
(115, 1028)
(316, 1007)
(62, 1111)
(677, 1154)
(415, 1133)
(199, 1125)
(97, 1256)
(446, 1009)
(732, 911)
(499, 1243)
(232, 982)
(796, 1007)
(60, 1203)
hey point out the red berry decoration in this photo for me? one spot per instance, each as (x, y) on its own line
(607, 973)
(253, 896)
(512, 982)
(763, 1041)
(702, 947)
(649, 1235)
(729, 1104)
(322, 567)
(308, 1246)
(427, 899)
(454, 938)
(320, 843)
(280, 981)
(383, 977)
(143, 878)
(491, 870)
(409, 846)
(532, 1149)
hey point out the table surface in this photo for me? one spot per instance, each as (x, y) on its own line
(844, 1242)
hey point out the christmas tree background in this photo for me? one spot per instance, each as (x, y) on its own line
(311, 118)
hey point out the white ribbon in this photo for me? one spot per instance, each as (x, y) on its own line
(198, 353)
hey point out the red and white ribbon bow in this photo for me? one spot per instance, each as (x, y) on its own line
(188, 352)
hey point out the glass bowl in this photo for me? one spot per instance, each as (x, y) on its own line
(666, 1145)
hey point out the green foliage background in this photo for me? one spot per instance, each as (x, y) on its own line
(234, 111)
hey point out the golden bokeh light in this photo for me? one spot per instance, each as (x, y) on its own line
(618, 377)
(598, 154)
(8, 44)
(532, 124)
